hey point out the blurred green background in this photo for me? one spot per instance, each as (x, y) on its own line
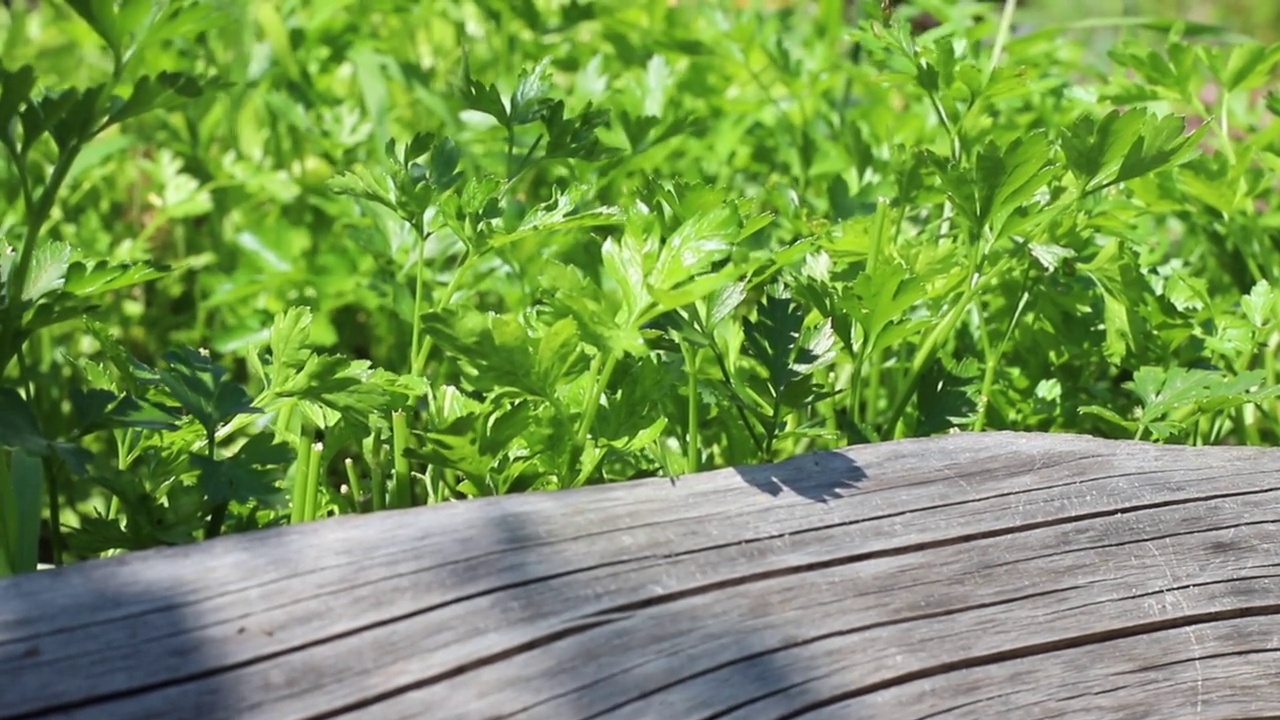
(1260, 18)
(1257, 18)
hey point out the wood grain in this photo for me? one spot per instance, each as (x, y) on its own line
(963, 576)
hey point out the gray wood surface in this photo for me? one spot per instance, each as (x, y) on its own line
(983, 576)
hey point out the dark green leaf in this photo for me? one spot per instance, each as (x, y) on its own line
(164, 91)
(19, 428)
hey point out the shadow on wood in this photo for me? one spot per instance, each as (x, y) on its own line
(964, 576)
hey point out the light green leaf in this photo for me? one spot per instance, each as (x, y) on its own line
(724, 301)
(290, 333)
(1260, 305)
(700, 241)
(85, 279)
(557, 350)
(624, 263)
(48, 272)
(882, 297)
(101, 16)
(529, 99)
(562, 213)
(1248, 65)
(1110, 415)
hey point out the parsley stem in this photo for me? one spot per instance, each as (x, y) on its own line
(600, 381)
(692, 450)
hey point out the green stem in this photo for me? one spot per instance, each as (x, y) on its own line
(313, 481)
(298, 511)
(600, 381)
(420, 354)
(216, 520)
(1002, 37)
(855, 381)
(354, 485)
(869, 348)
(401, 480)
(926, 353)
(692, 451)
(775, 409)
(46, 463)
(377, 480)
(1224, 127)
(10, 536)
(511, 152)
(993, 358)
(728, 380)
(219, 514)
(36, 218)
(414, 350)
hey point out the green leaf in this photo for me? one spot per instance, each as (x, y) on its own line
(86, 279)
(946, 396)
(70, 116)
(881, 298)
(1109, 414)
(529, 100)
(290, 333)
(699, 242)
(19, 429)
(1248, 65)
(506, 353)
(91, 406)
(443, 173)
(130, 375)
(48, 270)
(1163, 143)
(330, 391)
(636, 440)
(506, 428)
(575, 137)
(558, 350)
(658, 81)
(485, 99)
(201, 388)
(364, 184)
(248, 476)
(1232, 337)
(624, 265)
(1172, 74)
(1094, 150)
(1261, 305)
(53, 310)
(774, 339)
(1124, 293)
(21, 498)
(101, 16)
(724, 301)
(1009, 176)
(1164, 391)
(1117, 317)
(152, 23)
(164, 91)
(454, 447)
(98, 409)
(15, 91)
(562, 213)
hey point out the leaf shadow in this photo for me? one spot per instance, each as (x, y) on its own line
(819, 476)
(131, 659)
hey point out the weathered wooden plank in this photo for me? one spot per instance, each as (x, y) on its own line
(965, 576)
